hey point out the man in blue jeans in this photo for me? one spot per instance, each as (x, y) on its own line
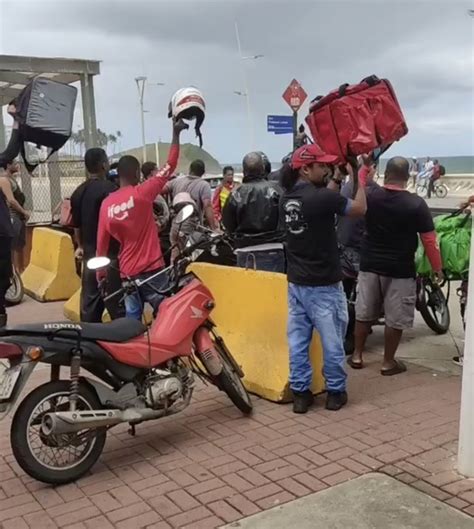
(316, 299)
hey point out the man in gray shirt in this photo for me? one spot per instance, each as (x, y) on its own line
(191, 189)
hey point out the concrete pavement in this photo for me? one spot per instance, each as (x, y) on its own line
(209, 466)
(373, 501)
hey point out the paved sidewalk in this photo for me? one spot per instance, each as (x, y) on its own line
(209, 465)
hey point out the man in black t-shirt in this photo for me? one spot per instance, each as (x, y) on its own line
(394, 219)
(315, 295)
(85, 206)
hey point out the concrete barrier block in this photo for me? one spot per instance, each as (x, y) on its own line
(251, 315)
(51, 274)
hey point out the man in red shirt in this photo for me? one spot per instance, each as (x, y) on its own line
(127, 217)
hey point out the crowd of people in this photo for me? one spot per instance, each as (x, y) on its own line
(303, 220)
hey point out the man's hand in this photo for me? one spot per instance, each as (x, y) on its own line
(79, 253)
(179, 125)
(27, 215)
(468, 203)
(102, 284)
(438, 277)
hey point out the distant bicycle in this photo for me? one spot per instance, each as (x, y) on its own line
(440, 190)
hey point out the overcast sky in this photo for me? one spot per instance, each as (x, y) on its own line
(424, 47)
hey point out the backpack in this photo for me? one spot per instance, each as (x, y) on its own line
(45, 111)
(357, 119)
(454, 238)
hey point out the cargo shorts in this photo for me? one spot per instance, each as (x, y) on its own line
(395, 298)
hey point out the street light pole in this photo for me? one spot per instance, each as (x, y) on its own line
(246, 85)
(141, 81)
(466, 424)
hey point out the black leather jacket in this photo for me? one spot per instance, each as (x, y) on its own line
(251, 213)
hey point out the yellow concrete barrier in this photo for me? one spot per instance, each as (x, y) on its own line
(72, 307)
(251, 315)
(51, 274)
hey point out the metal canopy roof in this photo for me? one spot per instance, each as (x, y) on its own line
(16, 72)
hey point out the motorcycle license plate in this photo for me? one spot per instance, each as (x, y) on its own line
(8, 379)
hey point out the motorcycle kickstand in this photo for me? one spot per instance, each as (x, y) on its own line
(132, 431)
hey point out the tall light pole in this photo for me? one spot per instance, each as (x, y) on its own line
(141, 83)
(246, 84)
(466, 423)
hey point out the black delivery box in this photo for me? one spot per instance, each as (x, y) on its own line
(45, 111)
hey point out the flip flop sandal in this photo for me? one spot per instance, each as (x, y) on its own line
(355, 365)
(399, 367)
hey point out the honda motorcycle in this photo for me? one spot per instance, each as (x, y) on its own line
(59, 430)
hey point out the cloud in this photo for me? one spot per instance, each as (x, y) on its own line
(423, 47)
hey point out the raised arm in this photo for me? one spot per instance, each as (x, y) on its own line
(157, 181)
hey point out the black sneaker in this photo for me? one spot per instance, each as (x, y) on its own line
(336, 400)
(302, 401)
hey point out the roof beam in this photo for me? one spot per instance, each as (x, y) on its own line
(39, 65)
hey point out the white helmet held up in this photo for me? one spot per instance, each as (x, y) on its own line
(188, 103)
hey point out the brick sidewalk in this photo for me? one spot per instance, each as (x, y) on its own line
(209, 465)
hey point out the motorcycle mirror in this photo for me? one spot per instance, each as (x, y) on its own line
(184, 213)
(96, 263)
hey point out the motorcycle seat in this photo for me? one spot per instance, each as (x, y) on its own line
(119, 330)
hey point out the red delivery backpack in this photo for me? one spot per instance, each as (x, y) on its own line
(357, 119)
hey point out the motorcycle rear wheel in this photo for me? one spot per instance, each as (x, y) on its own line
(35, 452)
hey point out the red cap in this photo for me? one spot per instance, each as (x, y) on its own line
(309, 154)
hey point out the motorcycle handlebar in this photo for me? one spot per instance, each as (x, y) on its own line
(181, 263)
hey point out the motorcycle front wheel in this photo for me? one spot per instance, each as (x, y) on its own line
(230, 382)
(55, 459)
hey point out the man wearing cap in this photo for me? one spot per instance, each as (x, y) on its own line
(316, 299)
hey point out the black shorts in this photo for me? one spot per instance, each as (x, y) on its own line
(19, 233)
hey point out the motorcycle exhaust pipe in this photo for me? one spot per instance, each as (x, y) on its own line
(64, 422)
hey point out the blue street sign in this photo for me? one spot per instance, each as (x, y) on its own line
(280, 124)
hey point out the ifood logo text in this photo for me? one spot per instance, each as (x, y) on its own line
(120, 211)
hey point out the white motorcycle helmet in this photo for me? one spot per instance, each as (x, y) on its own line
(188, 103)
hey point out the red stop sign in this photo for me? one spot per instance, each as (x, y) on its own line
(295, 95)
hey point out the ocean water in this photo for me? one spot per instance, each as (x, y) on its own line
(453, 164)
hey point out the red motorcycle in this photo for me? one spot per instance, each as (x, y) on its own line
(59, 430)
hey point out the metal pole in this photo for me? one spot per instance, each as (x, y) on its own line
(141, 92)
(88, 111)
(246, 87)
(3, 140)
(466, 426)
(157, 153)
(295, 127)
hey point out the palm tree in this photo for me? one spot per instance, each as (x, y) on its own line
(113, 140)
(119, 139)
(102, 139)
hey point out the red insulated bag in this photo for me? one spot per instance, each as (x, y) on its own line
(356, 119)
